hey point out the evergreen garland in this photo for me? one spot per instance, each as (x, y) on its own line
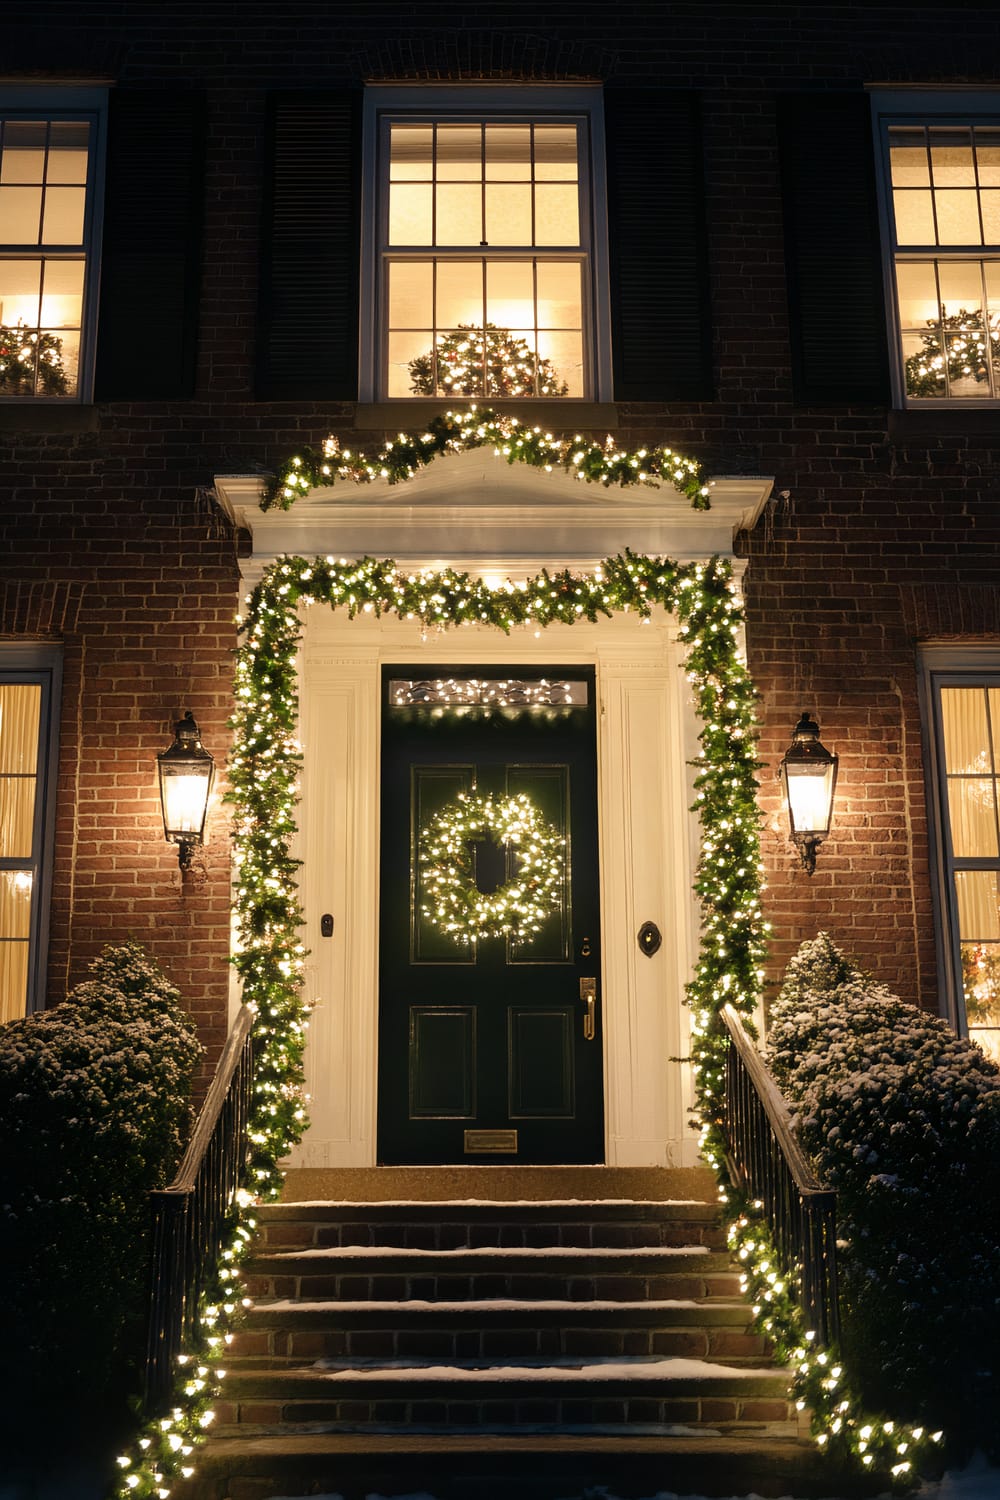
(510, 439)
(457, 365)
(21, 349)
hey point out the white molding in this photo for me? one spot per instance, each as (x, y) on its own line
(471, 510)
(646, 732)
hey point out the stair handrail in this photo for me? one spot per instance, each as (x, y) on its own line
(190, 1215)
(767, 1163)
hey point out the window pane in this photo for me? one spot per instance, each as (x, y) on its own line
(20, 214)
(63, 220)
(555, 153)
(23, 151)
(58, 361)
(20, 708)
(961, 286)
(957, 218)
(557, 214)
(972, 815)
(17, 813)
(459, 214)
(966, 742)
(993, 699)
(13, 981)
(511, 362)
(459, 153)
(564, 354)
(968, 360)
(460, 362)
(411, 293)
(908, 158)
(410, 214)
(510, 293)
(951, 158)
(20, 290)
(988, 155)
(411, 365)
(978, 908)
(68, 144)
(15, 903)
(459, 293)
(411, 152)
(559, 294)
(508, 153)
(990, 207)
(508, 214)
(923, 361)
(62, 294)
(917, 294)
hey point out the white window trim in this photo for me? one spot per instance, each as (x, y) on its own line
(52, 101)
(481, 99)
(919, 106)
(43, 665)
(948, 665)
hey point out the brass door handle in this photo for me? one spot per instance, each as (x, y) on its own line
(588, 994)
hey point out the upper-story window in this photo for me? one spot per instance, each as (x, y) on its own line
(484, 270)
(48, 183)
(941, 175)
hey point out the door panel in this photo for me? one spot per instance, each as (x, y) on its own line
(482, 1046)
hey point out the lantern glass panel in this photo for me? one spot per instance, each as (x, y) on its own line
(810, 797)
(185, 799)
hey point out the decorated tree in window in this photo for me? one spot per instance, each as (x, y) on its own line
(20, 348)
(456, 366)
(970, 345)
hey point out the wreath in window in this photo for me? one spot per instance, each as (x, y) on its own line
(451, 899)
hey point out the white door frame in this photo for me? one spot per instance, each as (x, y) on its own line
(646, 739)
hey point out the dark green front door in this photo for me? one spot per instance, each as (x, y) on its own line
(487, 1052)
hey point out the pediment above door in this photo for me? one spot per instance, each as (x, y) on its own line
(472, 510)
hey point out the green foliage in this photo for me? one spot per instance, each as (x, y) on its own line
(903, 1119)
(21, 349)
(93, 1113)
(456, 365)
(510, 439)
(971, 346)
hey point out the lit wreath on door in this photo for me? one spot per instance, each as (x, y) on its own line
(517, 909)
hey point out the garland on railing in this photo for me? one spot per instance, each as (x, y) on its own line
(510, 439)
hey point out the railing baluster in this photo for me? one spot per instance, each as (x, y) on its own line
(189, 1216)
(768, 1165)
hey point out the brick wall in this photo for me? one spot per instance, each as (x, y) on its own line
(888, 535)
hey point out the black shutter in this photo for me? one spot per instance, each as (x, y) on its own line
(151, 251)
(309, 275)
(661, 333)
(833, 257)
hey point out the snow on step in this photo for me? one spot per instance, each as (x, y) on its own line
(470, 1306)
(521, 1252)
(637, 1369)
(429, 1203)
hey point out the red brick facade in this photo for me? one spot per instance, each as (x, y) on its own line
(883, 532)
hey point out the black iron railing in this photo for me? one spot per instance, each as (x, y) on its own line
(190, 1216)
(767, 1164)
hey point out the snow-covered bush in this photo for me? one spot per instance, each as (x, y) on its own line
(94, 1110)
(903, 1119)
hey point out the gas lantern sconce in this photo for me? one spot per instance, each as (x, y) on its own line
(808, 774)
(186, 771)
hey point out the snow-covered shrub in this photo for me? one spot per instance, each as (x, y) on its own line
(94, 1110)
(903, 1119)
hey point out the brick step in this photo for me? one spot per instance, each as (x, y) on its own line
(573, 1273)
(649, 1392)
(542, 1466)
(499, 1329)
(455, 1224)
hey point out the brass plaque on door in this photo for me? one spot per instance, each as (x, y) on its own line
(485, 1142)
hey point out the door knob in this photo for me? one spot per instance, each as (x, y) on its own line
(588, 994)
